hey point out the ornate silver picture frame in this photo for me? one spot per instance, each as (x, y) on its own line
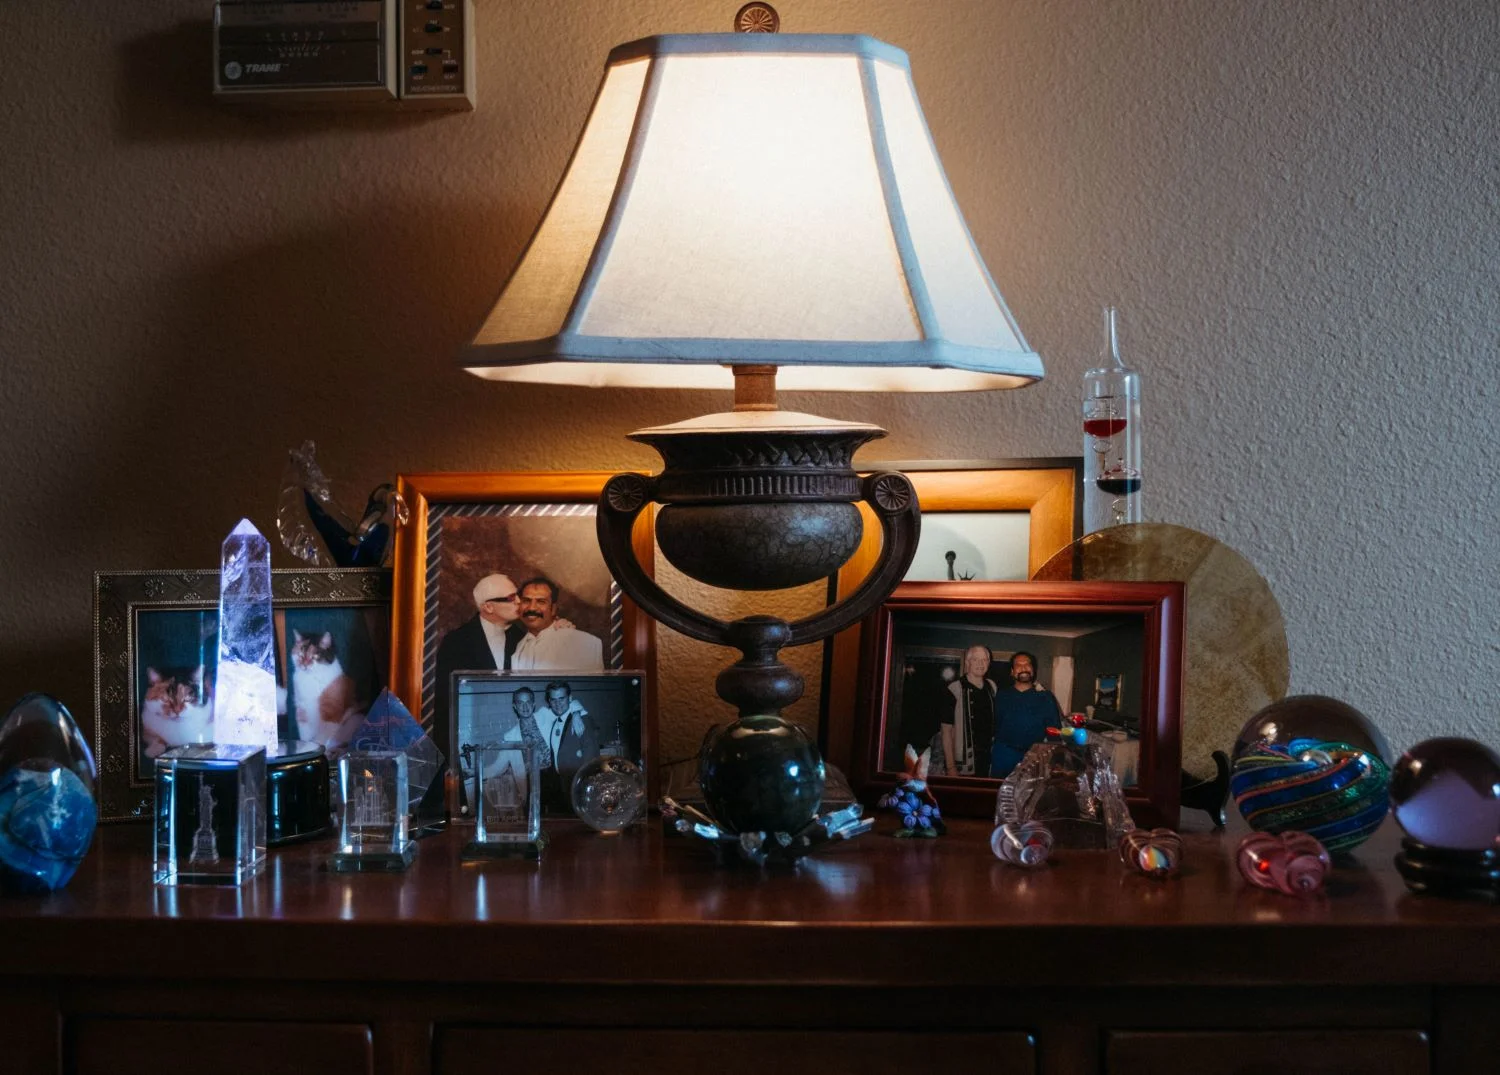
(147, 619)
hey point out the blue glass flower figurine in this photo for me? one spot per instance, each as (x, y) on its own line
(47, 808)
(913, 800)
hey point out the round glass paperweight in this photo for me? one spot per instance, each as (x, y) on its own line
(609, 793)
(1312, 764)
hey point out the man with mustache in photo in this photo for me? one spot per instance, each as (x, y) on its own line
(551, 644)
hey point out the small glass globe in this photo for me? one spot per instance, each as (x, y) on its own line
(609, 793)
(1445, 793)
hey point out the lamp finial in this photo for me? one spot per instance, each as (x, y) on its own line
(757, 18)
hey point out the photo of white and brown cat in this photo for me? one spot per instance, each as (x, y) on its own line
(176, 709)
(325, 698)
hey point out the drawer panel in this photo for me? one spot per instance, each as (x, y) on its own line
(152, 1046)
(485, 1050)
(1270, 1052)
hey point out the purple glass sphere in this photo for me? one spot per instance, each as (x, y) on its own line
(1446, 793)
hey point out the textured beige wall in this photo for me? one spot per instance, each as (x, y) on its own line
(1294, 203)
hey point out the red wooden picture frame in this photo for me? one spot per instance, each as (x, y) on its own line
(988, 607)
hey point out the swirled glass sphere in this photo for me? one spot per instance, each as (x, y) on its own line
(609, 793)
(1315, 765)
(1445, 793)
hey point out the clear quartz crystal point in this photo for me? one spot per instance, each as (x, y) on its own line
(245, 694)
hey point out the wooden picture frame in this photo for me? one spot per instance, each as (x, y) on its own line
(1049, 490)
(529, 500)
(1124, 625)
(136, 612)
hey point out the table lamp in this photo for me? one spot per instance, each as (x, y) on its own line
(742, 209)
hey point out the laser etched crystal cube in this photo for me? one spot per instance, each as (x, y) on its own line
(373, 823)
(210, 814)
(503, 793)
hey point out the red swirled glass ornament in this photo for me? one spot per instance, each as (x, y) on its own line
(1292, 863)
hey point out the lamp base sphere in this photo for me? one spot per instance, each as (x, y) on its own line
(762, 774)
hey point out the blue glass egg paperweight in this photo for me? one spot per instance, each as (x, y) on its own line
(47, 807)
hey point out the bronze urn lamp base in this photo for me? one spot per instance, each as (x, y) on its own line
(759, 499)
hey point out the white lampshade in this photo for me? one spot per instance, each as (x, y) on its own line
(755, 198)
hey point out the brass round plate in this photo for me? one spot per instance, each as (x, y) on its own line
(1235, 660)
(757, 18)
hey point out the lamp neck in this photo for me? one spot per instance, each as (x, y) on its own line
(754, 388)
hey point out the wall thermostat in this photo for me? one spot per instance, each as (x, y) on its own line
(329, 53)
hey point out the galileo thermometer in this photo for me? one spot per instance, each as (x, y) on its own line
(1111, 437)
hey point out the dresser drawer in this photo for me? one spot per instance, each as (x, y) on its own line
(1269, 1052)
(153, 1046)
(485, 1050)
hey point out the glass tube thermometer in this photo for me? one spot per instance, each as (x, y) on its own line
(1111, 437)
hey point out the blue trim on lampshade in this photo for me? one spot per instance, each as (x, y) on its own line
(761, 45)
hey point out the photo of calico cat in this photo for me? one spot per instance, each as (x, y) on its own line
(176, 709)
(324, 697)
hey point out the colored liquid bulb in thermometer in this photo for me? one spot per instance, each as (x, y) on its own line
(1111, 438)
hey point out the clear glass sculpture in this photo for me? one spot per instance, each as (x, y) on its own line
(374, 827)
(210, 814)
(609, 793)
(1111, 437)
(505, 799)
(1069, 787)
(47, 808)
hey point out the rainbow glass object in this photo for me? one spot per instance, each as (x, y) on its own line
(1027, 845)
(609, 793)
(1156, 853)
(1312, 764)
(1292, 863)
(47, 808)
(245, 691)
(1445, 793)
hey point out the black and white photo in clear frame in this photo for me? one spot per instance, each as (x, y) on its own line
(569, 719)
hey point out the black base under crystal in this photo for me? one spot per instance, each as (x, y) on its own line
(372, 862)
(487, 850)
(1437, 871)
(297, 801)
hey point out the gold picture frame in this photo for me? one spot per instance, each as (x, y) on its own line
(1049, 490)
(433, 498)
